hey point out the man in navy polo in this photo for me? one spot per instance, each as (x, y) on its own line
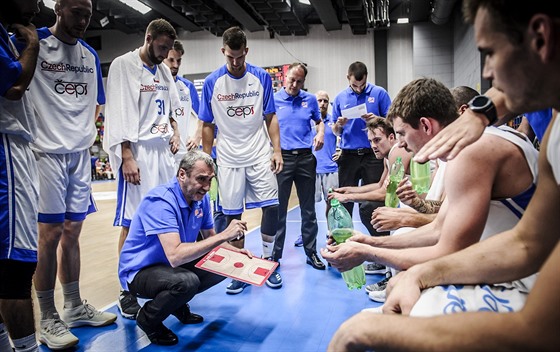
(295, 109)
(357, 161)
(158, 258)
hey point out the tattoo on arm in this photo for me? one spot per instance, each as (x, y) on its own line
(426, 206)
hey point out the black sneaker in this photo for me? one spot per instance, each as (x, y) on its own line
(128, 305)
(374, 268)
(185, 315)
(299, 242)
(159, 334)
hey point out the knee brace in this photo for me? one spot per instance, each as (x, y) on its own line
(269, 222)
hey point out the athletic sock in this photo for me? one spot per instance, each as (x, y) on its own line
(71, 293)
(4, 339)
(26, 344)
(267, 248)
(46, 304)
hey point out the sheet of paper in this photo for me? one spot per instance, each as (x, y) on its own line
(238, 266)
(355, 112)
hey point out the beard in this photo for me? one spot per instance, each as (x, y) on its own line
(152, 55)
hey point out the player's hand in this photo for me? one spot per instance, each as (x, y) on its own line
(174, 143)
(403, 291)
(26, 33)
(453, 138)
(130, 171)
(369, 116)
(192, 143)
(344, 256)
(386, 219)
(342, 198)
(276, 162)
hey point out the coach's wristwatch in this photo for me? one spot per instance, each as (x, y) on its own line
(484, 105)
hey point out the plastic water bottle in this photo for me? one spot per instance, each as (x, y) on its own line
(420, 176)
(340, 226)
(395, 176)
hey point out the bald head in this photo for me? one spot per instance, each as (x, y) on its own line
(323, 100)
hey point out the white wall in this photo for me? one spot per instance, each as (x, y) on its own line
(433, 52)
(399, 58)
(466, 55)
(327, 54)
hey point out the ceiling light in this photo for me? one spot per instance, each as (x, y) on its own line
(402, 20)
(305, 2)
(49, 4)
(137, 5)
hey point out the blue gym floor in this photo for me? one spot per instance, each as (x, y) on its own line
(301, 316)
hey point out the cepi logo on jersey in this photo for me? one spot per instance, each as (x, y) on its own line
(70, 88)
(236, 96)
(240, 111)
(62, 67)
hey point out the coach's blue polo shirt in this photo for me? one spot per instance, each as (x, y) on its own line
(294, 115)
(164, 209)
(377, 101)
(325, 164)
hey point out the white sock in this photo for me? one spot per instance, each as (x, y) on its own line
(71, 293)
(267, 248)
(46, 303)
(4, 339)
(26, 344)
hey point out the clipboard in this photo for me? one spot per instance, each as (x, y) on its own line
(238, 266)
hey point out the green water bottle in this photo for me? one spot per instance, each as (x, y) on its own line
(340, 226)
(420, 176)
(396, 174)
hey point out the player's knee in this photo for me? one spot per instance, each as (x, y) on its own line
(269, 221)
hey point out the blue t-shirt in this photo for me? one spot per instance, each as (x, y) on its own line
(294, 116)
(163, 210)
(325, 164)
(539, 121)
(377, 101)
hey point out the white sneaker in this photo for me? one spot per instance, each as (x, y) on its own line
(56, 334)
(86, 314)
(378, 296)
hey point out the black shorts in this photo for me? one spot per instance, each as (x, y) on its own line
(15, 279)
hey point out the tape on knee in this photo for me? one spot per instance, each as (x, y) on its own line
(269, 221)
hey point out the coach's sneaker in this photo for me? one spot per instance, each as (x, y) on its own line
(299, 242)
(236, 287)
(128, 305)
(374, 268)
(56, 334)
(274, 280)
(86, 314)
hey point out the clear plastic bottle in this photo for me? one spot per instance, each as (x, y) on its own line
(340, 226)
(396, 174)
(420, 176)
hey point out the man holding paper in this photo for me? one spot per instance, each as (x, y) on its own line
(158, 258)
(352, 107)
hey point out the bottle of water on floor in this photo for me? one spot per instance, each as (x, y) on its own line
(395, 176)
(340, 226)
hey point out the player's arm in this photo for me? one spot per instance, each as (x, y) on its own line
(27, 60)
(175, 140)
(130, 170)
(274, 133)
(179, 253)
(207, 137)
